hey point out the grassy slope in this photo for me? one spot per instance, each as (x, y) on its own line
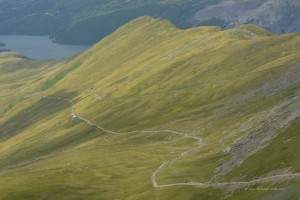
(284, 150)
(152, 76)
(17, 74)
(284, 155)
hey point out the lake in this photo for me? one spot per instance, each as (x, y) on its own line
(39, 47)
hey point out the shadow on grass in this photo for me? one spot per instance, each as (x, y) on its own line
(43, 109)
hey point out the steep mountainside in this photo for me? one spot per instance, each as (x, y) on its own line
(155, 112)
(88, 21)
(278, 16)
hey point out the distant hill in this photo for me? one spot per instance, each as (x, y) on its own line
(278, 16)
(155, 112)
(88, 21)
(2, 45)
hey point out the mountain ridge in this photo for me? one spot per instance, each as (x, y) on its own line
(188, 106)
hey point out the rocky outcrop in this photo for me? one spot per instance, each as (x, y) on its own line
(260, 129)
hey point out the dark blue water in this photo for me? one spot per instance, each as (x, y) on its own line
(39, 47)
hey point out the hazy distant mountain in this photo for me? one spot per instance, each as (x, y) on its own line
(87, 21)
(278, 16)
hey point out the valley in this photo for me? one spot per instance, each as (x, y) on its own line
(155, 112)
(86, 22)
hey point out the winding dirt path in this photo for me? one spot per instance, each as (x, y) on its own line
(279, 177)
(166, 163)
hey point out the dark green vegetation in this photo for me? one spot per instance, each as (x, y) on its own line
(95, 28)
(231, 98)
(89, 21)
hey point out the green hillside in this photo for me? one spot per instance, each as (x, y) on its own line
(155, 112)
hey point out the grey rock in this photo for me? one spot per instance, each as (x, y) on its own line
(277, 16)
